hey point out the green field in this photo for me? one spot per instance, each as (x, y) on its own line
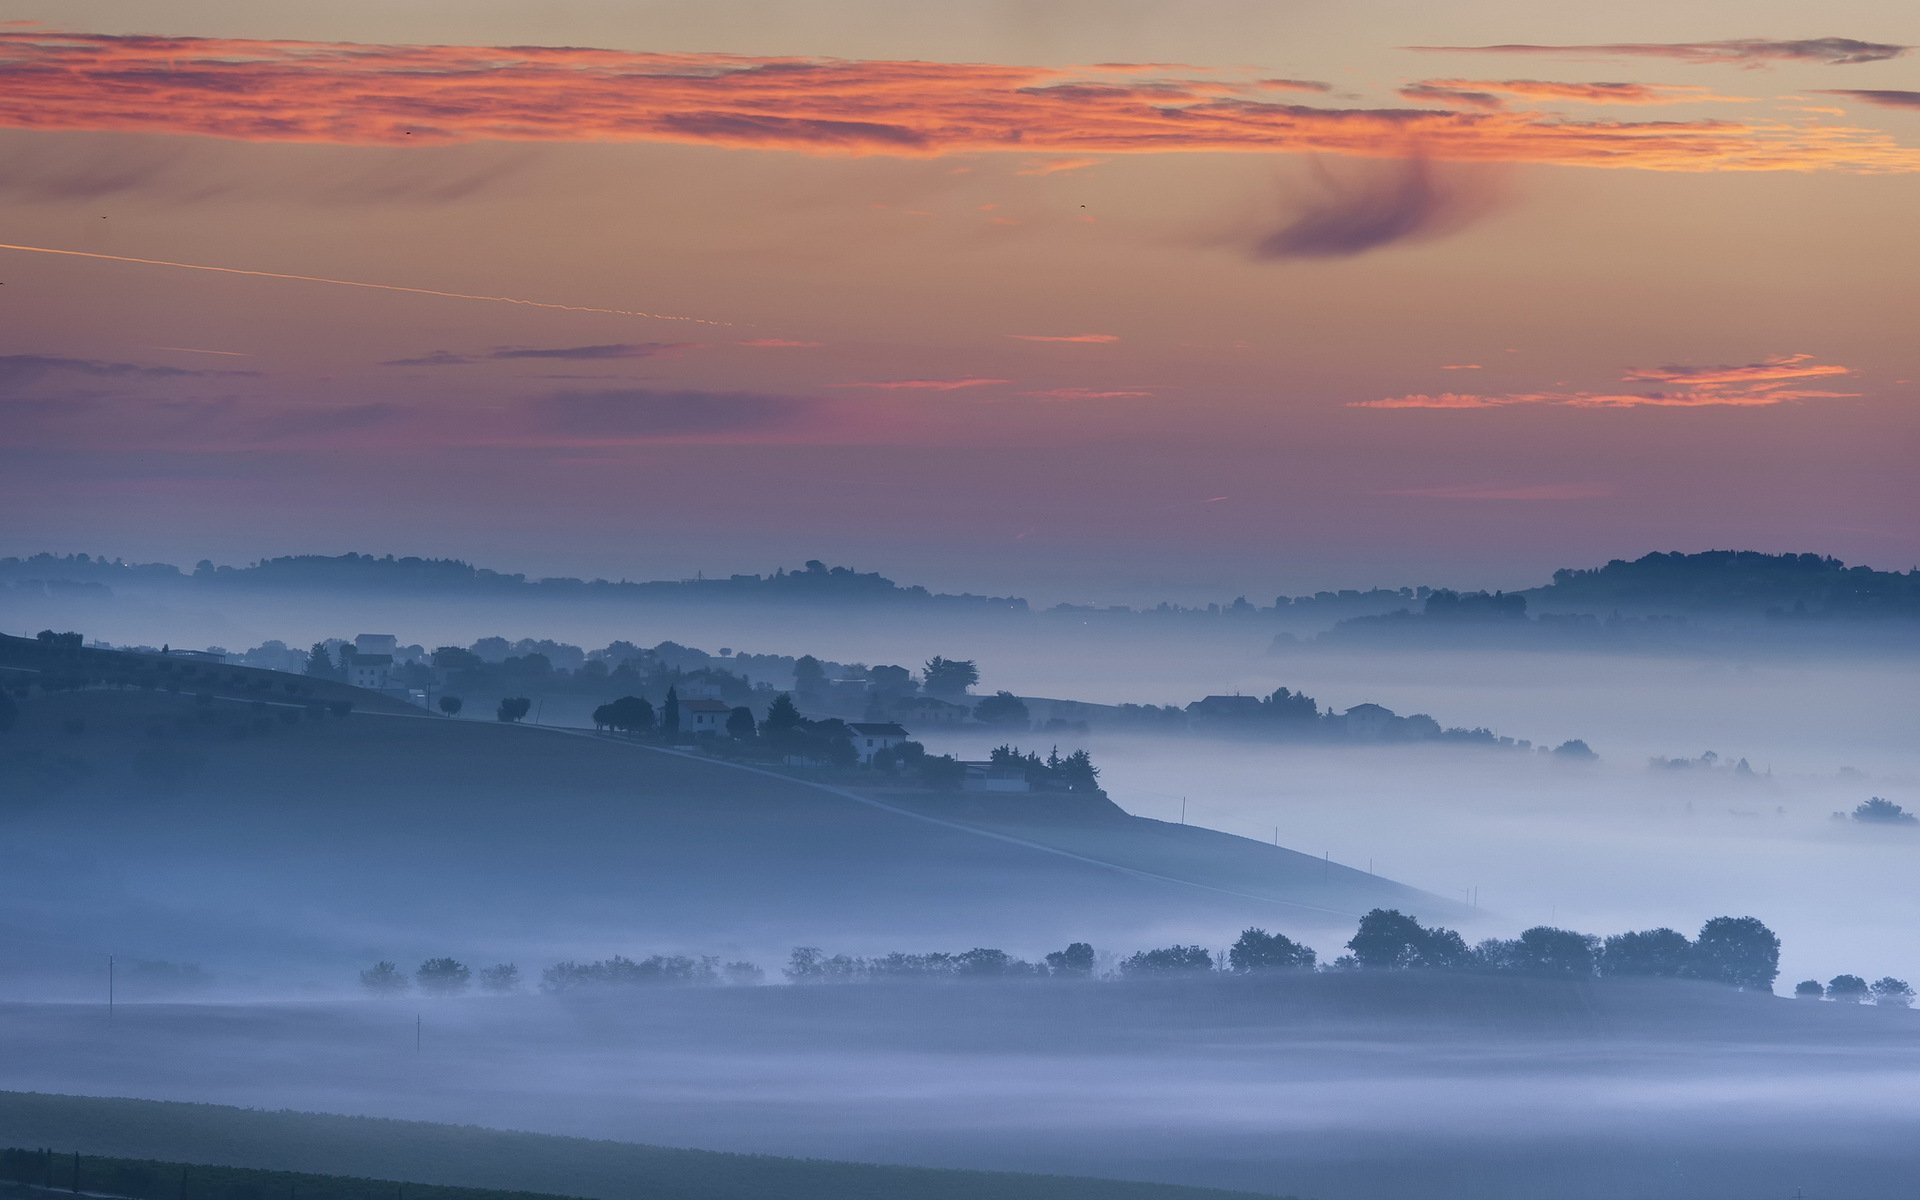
(140, 1148)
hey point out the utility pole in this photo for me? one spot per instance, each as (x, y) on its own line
(109, 985)
(1183, 810)
(416, 1033)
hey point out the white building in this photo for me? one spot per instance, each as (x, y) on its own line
(870, 738)
(370, 671)
(704, 717)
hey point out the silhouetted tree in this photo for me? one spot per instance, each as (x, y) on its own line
(942, 771)
(1848, 989)
(512, 709)
(451, 705)
(1575, 751)
(1078, 773)
(1388, 938)
(1881, 811)
(1739, 951)
(670, 714)
(1544, 950)
(740, 723)
(1809, 989)
(320, 662)
(1892, 993)
(1168, 960)
(443, 976)
(1660, 952)
(809, 677)
(629, 714)
(1001, 708)
(383, 979)
(1075, 962)
(1258, 950)
(949, 678)
(501, 977)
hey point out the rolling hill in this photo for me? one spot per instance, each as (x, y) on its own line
(238, 832)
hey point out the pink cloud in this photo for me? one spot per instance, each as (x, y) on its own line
(1083, 339)
(1081, 393)
(780, 344)
(1769, 382)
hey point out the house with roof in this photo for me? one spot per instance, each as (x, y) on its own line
(931, 710)
(1224, 708)
(994, 777)
(871, 737)
(704, 717)
(370, 671)
(1369, 722)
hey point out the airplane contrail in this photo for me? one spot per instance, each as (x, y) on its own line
(357, 283)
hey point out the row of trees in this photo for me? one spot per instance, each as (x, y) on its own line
(1737, 951)
(1886, 991)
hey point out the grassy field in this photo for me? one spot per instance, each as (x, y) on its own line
(261, 1155)
(185, 825)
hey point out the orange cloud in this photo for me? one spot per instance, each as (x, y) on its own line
(1085, 339)
(1054, 166)
(367, 94)
(925, 385)
(780, 344)
(1771, 381)
(1766, 372)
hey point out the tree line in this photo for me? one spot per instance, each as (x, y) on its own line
(1739, 952)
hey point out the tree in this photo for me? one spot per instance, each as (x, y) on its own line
(453, 658)
(740, 724)
(1001, 708)
(512, 709)
(1575, 750)
(1739, 951)
(1889, 992)
(443, 976)
(1077, 771)
(1169, 960)
(949, 678)
(943, 772)
(1544, 950)
(628, 714)
(501, 977)
(1809, 989)
(1258, 950)
(1389, 939)
(1879, 811)
(783, 719)
(670, 714)
(383, 979)
(1658, 952)
(451, 705)
(809, 677)
(1075, 962)
(1848, 989)
(320, 662)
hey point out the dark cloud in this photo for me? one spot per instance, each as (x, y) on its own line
(436, 358)
(643, 413)
(1359, 211)
(587, 353)
(1832, 51)
(17, 370)
(1433, 93)
(1884, 97)
(107, 166)
(444, 358)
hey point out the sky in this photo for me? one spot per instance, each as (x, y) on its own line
(1089, 301)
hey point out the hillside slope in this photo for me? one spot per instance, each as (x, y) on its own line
(156, 826)
(419, 1152)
